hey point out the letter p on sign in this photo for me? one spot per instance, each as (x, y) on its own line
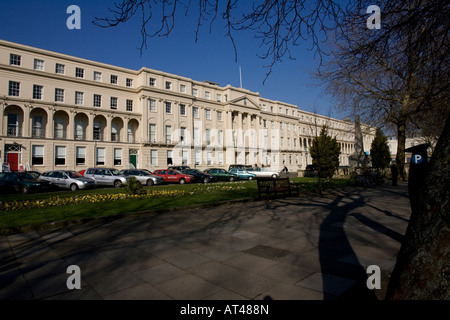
(417, 158)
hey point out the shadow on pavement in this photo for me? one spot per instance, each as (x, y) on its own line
(334, 246)
(378, 227)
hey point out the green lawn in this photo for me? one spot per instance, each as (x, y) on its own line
(158, 197)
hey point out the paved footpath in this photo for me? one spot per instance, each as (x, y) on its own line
(309, 248)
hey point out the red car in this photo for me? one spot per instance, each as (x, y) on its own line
(170, 175)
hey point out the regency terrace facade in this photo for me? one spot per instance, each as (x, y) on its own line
(63, 112)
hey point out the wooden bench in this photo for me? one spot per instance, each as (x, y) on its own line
(280, 186)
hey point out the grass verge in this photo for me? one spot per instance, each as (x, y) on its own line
(157, 197)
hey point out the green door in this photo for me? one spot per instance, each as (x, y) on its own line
(133, 160)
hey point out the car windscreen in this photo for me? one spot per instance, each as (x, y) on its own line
(115, 172)
(50, 174)
(25, 175)
(34, 174)
(74, 174)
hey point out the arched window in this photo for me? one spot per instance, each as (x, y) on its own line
(97, 131)
(115, 133)
(59, 129)
(79, 130)
(130, 133)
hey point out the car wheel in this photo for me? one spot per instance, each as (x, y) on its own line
(182, 181)
(250, 178)
(274, 176)
(24, 190)
(117, 184)
(206, 180)
(73, 187)
(231, 179)
(149, 182)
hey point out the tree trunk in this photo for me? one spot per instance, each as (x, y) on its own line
(422, 270)
(400, 157)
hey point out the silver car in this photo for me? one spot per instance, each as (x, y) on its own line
(143, 176)
(67, 179)
(106, 176)
(263, 173)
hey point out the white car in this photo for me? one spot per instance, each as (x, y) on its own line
(263, 173)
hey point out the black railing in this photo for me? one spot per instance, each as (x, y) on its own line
(14, 132)
(38, 133)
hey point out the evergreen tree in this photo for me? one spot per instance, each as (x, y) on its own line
(325, 152)
(379, 151)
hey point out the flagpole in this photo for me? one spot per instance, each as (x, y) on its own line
(240, 76)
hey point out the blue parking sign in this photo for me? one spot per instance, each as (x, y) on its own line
(417, 159)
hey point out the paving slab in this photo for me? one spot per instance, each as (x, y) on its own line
(140, 292)
(160, 273)
(249, 284)
(326, 283)
(288, 292)
(187, 260)
(113, 282)
(188, 287)
(85, 293)
(250, 263)
(215, 272)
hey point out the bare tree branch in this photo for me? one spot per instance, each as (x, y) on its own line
(280, 25)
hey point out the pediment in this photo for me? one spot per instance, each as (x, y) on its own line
(245, 101)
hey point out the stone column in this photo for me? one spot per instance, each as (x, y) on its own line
(26, 121)
(90, 127)
(107, 131)
(176, 120)
(71, 125)
(50, 134)
(190, 125)
(145, 110)
(259, 143)
(2, 114)
(160, 129)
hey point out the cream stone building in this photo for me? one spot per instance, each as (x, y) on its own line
(64, 112)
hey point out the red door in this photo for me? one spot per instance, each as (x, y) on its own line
(13, 160)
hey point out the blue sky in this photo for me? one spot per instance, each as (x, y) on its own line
(42, 24)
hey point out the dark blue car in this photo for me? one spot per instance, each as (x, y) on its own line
(23, 182)
(200, 176)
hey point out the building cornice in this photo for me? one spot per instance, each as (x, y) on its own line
(65, 78)
(16, 46)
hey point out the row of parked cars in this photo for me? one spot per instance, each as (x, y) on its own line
(33, 181)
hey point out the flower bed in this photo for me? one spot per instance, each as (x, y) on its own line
(98, 198)
(57, 201)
